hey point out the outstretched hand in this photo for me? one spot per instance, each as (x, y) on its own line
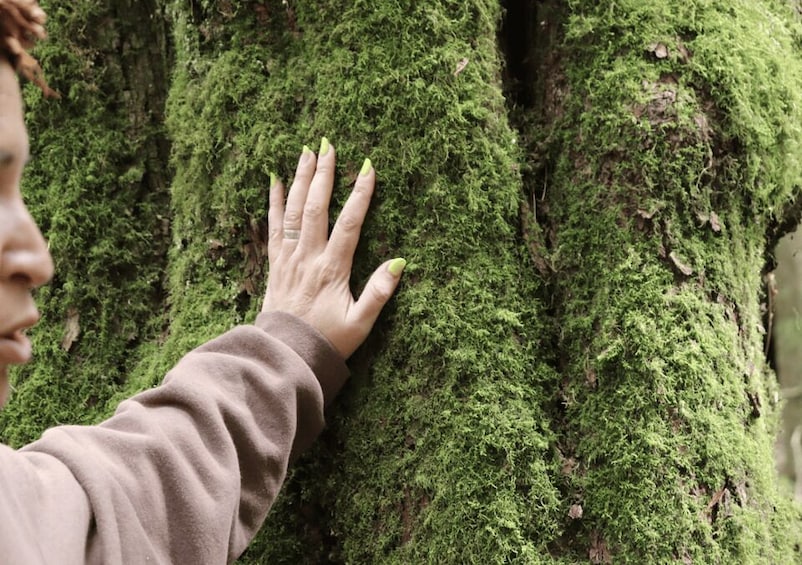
(309, 271)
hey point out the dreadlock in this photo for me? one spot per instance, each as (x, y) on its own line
(21, 25)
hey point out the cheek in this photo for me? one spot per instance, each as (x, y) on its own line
(7, 218)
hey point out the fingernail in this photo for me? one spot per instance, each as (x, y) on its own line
(324, 147)
(273, 180)
(305, 154)
(366, 166)
(397, 266)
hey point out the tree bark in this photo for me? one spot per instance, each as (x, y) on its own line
(574, 368)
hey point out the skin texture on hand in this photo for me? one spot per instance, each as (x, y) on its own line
(310, 271)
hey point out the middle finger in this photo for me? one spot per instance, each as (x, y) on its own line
(315, 230)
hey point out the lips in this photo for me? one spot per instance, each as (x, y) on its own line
(15, 348)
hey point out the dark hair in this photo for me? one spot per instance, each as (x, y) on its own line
(21, 26)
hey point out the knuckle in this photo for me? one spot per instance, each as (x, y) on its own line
(313, 209)
(324, 166)
(379, 292)
(350, 223)
(327, 272)
(291, 219)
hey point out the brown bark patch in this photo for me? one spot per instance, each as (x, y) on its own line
(599, 552)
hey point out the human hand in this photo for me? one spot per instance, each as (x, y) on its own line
(310, 271)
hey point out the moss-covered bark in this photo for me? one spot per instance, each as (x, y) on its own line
(573, 368)
(440, 444)
(671, 150)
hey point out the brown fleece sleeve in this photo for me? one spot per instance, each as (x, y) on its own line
(186, 472)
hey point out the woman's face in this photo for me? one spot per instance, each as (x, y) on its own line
(25, 261)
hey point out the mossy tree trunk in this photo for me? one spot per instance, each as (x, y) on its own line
(669, 148)
(574, 367)
(98, 186)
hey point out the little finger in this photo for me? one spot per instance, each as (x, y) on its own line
(275, 218)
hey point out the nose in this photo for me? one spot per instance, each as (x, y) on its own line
(24, 255)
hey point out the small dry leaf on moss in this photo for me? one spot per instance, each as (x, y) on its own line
(712, 219)
(717, 497)
(575, 512)
(740, 490)
(755, 402)
(659, 50)
(679, 264)
(715, 222)
(718, 503)
(72, 329)
(461, 66)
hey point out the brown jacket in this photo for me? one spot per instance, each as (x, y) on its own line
(182, 473)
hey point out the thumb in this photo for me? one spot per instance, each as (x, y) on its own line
(377, 292)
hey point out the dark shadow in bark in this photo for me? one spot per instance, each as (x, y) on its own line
(517, 40)
(533, 83)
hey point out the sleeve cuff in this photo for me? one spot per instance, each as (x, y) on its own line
(312, 346)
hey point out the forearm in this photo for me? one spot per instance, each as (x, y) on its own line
(187, 471)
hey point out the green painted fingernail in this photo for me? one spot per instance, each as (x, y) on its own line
(306, 150)
(273, 179)
(366, 166)
(324, 147)
(397, 266)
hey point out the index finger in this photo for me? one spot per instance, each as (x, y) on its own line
(345, 235)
